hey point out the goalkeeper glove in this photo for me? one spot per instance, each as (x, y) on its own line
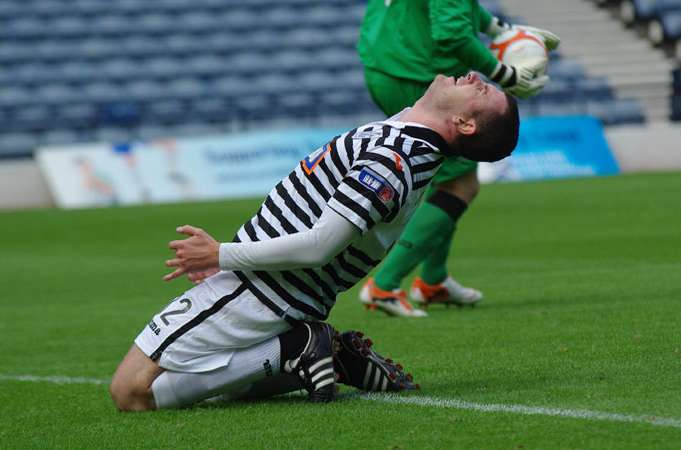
(522, 80)
(498, 26)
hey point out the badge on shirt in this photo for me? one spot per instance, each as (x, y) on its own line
(377, 183)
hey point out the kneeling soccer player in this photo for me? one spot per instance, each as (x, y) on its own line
(255, 325)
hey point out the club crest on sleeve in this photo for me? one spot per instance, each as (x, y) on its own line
(377, 183)
(311, 161)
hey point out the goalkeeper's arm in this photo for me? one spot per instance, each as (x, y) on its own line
(453, 33)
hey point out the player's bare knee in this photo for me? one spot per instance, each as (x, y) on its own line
(128, 396)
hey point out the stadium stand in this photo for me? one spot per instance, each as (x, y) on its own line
(80, 70)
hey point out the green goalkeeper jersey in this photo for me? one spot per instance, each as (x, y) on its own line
(418, 39)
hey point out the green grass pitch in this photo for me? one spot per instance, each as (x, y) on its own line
(582, 311)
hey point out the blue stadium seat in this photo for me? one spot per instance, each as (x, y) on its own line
(118, 70)
(211, 110)
(336, 58)
(57, 94)
(557, 91)
(66, 26)
(136, 47)
(325, 16)
(100, 91)
(297, 104)
(207, 66)
(293, 61)
(76, 116)
(676, 107)
(162, 67)
(558, 108)
(59, 137)
(616, 112)
(249, 64)
(671, 26)
(121, 113)
(16, 97)
(676, 76)
(229, 87)
(166, 112)
(281, 18)
(316, 82)
(595, 88)
(17, 144)
(32, 118)
(186, 89)
(146, 90)
(637, 10)
(566, 70)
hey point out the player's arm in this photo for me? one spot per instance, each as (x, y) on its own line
(311, 248)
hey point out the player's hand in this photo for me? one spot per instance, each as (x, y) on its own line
(199, 252)
(551, 40)
(198, 276)
(528, 82)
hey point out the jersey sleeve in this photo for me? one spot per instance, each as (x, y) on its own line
(373, 190)
(455, 34)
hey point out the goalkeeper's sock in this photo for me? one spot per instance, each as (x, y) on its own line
(434, 267)
(246, 366)
(433, 222)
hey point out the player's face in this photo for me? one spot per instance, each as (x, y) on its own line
(468, 93)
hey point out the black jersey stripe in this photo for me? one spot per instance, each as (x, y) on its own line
(302, 191)
(196, 320)
(293, 206)
(355, 208)
(335, 157)
(359, 254)
(264, 299)
(329, 269)
(422, 183)
(318, 186)
(283, 294)
(250, 231)
(349, 147)
(303, 287)
(424, 167)
(329, 294)
(276, 212)
(333, 181)
(349, 268)
(266, 226)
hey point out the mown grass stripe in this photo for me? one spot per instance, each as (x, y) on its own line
(432, 402)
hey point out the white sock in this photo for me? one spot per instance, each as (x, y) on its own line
(247, 366)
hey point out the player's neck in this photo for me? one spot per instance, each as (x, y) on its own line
(425, 118)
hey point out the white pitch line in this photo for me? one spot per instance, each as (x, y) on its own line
(432, 402)
(55, 379)
(585, 414)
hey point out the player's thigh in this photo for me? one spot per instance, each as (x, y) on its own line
(200, 330)
(457, 176)
(392, 94)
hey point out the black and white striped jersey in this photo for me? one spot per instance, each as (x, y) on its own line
(374, 176)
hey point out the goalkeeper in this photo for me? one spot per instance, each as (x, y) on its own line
(403, 45)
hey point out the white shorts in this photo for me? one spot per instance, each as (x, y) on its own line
(200, 330)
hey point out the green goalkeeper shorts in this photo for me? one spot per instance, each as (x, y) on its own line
(392, 95)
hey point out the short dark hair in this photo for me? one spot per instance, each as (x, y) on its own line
(496, 135)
